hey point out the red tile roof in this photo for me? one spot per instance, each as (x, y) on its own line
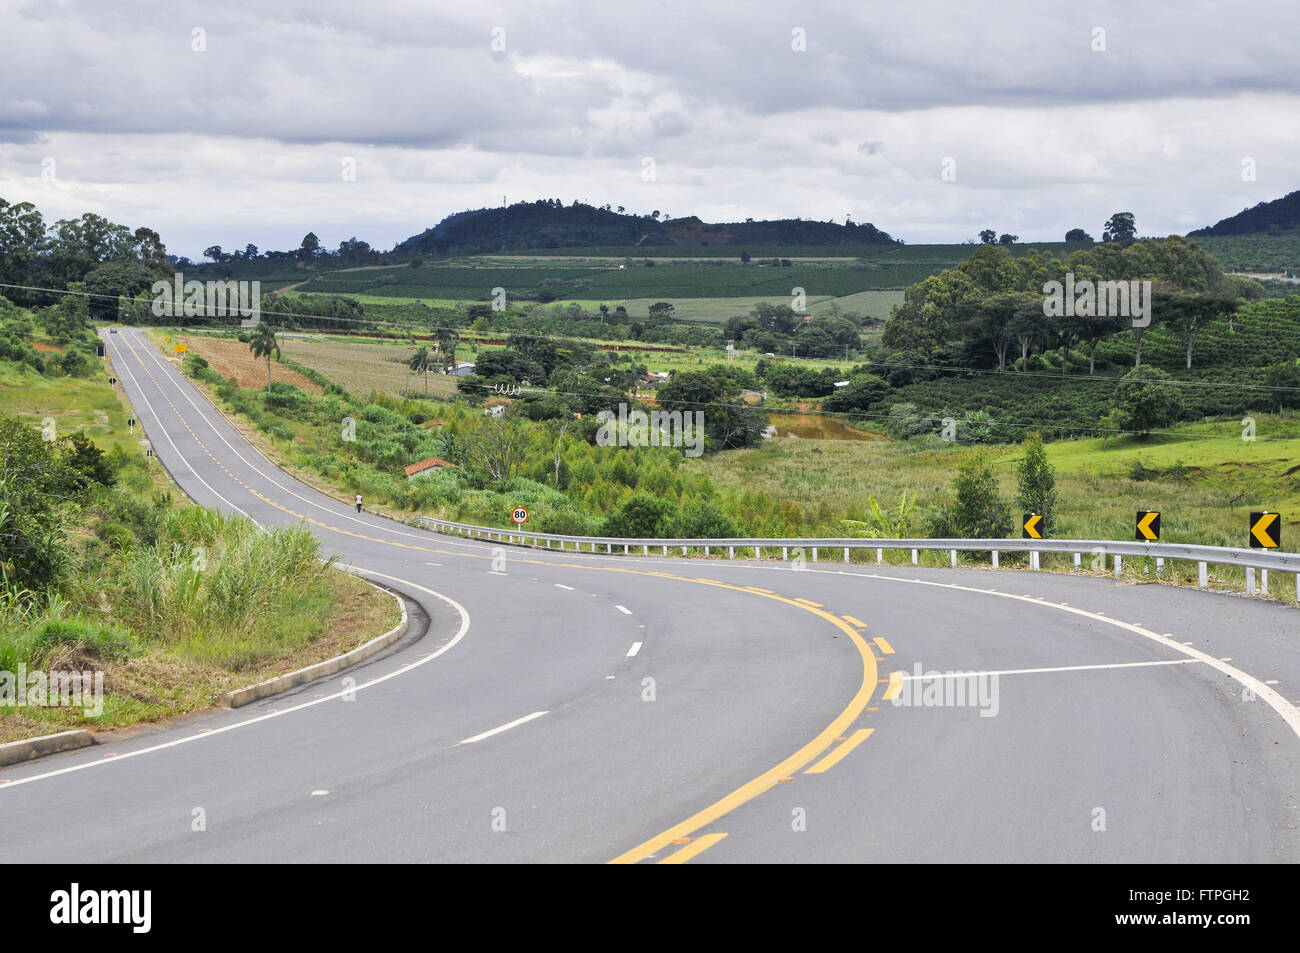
(429, 463)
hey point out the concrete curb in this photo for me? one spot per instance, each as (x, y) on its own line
(282, 683)
(16, 752)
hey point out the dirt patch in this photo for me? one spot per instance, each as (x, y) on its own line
(231, 358)
(46, 348)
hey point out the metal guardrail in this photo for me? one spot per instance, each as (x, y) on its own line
(1204, 556)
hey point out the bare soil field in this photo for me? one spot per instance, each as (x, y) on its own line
(231, 358)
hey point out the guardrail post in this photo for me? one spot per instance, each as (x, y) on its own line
(914, 557)
(1297, 587)
(645, 550)
(731, 552)
(880, 556)
(1033, 560)
(995, 559)
(1250, 580)
(1078, 560)
(625, 549)
(1202, 576)
(1263, 582)
(665, 550)
(683, 550)
(1160, 565)
(785, 553)
(846, 554)
(814, 554)
(758, 552)
(1119, 567)
(706, 551)
(954, 559)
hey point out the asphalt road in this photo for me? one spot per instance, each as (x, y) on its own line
(564, 707)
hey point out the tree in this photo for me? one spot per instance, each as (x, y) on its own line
(264, 344)
(1120, 227)
(641, 516)
(1008, 239)
(309, 250)
(1037, 482)
(215, 253)
(978, 512)
(448, 341)
(250, 252)
(150, 247)
(705, 519)
(420, 363)
(862, 391)
(1077, 235)
(988, 236)
(114, 279)
(498, 446)
(1145, 400)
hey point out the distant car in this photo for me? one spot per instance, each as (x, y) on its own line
(112, 330)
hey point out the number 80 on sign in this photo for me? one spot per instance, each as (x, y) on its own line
(519, 515)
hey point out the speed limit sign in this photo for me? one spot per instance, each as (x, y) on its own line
(519, 515)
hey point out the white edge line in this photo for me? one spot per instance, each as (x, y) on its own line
(213, 732)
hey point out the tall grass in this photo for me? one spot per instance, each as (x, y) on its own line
(216, 587)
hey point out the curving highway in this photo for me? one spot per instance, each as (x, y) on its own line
(561, 707)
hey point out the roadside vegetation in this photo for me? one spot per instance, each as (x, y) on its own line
(104, 568)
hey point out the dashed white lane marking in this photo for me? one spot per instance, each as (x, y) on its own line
(560, 585)
(1034, 671)
(493, 572)
(636, 647)
(623, 610)
(434, 564)
(319, 793)
(505, 727)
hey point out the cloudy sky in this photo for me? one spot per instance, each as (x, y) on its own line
(257, 122)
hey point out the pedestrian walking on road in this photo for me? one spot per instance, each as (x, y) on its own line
(358, 502)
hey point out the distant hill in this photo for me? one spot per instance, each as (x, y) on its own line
(1284, 213)
(548, 224)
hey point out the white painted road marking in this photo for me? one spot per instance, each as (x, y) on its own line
(505, 727)
(623, 610)
(560, 585)
(1063, 668)
(636, 647)
(214, 732)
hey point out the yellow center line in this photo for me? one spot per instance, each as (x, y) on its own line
(791, 765)
(698, 846)
(745, 792)
(832, 759)
(895, 686)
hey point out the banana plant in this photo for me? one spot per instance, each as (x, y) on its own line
(882, 525)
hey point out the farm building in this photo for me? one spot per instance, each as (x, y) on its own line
(426, 466)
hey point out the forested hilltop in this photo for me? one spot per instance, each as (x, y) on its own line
(548, 223)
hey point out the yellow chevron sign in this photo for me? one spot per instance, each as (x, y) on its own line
(1265, 530)
(1148, 525)
(1032, 526)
